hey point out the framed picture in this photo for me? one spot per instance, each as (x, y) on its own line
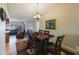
(2, 14)
(51, 24)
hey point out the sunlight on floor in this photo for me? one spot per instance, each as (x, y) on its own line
(11, 46)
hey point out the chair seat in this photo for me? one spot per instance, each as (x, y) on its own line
(50, 48)
(51, 44)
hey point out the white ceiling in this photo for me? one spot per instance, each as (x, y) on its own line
(27, 10)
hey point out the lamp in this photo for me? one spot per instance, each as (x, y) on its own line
(37, 16)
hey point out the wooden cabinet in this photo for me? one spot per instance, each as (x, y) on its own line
(7, 36)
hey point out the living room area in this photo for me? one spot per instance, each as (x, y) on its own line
(14, 29)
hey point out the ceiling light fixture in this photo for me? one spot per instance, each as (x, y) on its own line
(37, 16)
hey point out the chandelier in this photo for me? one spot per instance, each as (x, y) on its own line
(37, 16)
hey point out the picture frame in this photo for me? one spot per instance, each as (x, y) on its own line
(2, 14)
(51, 24)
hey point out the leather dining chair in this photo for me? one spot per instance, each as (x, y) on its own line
(41, 31)
(46, 32)
(56, 48)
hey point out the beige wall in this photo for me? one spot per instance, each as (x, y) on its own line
(67, 22)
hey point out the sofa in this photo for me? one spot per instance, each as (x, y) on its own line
(20, 33)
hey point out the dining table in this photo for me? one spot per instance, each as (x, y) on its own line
(41, 36)
(43, 42)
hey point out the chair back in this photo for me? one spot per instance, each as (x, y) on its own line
(40, 31)
(58, 44)
(46, 32)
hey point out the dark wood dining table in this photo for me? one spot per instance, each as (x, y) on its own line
(42, 35)
(43, 41)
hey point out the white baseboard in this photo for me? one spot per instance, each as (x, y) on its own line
(69, 49)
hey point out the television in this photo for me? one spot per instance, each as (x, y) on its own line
(2, 14)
